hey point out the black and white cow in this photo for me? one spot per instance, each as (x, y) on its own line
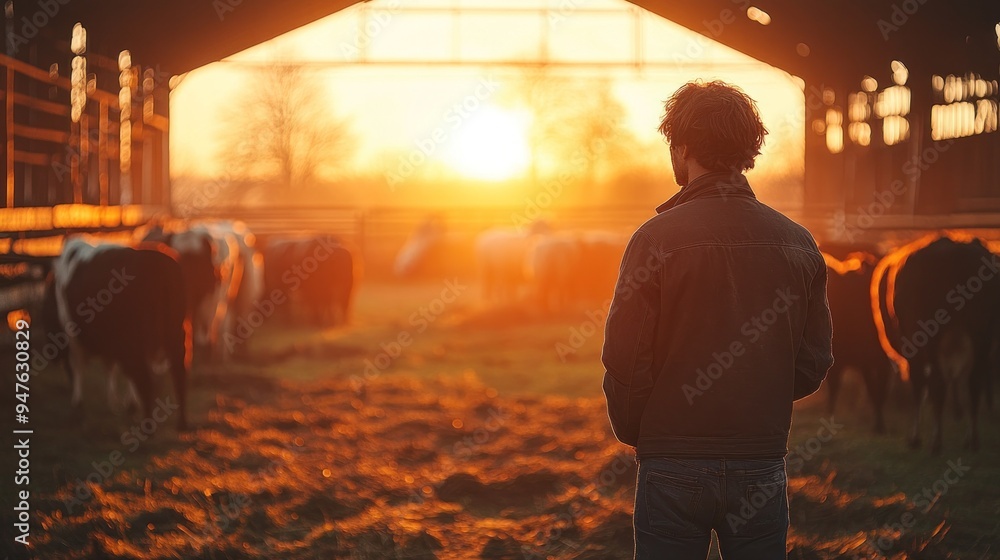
(227, 250)
(196, 255)
(127, 307)
(242, 283)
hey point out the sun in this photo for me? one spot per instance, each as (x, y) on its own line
(490, 145)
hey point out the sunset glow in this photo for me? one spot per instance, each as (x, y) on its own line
(490, 146)
(499, 117)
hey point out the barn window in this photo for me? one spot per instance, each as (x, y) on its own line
(859, 111)
(834, 130)
(893, 104)
(758, 15)
(964, 106)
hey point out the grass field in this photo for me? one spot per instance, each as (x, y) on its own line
(434, 427)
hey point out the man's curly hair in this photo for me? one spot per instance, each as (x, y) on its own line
(718, 122)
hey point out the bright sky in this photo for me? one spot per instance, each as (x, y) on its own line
(393, 108)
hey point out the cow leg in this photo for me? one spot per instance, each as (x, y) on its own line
(918, 382)
(937, 392)
(179, 374)
(345, 303)
(228, 329)
(142, 378)
(118, 402)
(339, 312)
(75, 365)
(978, 384)
(972, 439)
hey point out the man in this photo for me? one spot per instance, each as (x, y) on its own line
(719, 321)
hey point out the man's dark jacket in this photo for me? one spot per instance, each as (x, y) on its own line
(719, 321)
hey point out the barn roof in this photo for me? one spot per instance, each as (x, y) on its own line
(835, 40)
(818, 39)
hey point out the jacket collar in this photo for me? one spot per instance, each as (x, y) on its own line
(712, 184)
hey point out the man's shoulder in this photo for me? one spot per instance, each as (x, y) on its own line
(687, 224)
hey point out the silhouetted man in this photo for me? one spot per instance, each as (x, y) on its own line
(719, 321)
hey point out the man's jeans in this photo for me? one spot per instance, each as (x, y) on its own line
(679, 501)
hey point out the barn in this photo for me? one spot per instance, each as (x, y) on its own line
(900, 137)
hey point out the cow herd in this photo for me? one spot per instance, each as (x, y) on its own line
(550, 270)
(930, 310)
(927, 312)
(177, 291)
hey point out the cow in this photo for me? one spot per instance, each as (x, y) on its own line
(502, 255)
(433, 251)
(317, 273)
(421, 249)
(552, 266)
(206, 278)
(855, 336)
(126, 306)
(246, 285)
(938, 306)
(597, 268)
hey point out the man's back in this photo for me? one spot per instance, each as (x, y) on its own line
(734, 284)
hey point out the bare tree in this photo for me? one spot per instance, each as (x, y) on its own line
(577, 126)
(282, 128)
